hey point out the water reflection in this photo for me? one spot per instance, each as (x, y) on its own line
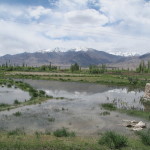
(91, 93)
(9, 95)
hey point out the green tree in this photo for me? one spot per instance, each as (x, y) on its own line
(74, 67)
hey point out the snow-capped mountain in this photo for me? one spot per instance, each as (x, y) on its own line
(56, 49)
(126, 54)
(85, 49)
(83, 56)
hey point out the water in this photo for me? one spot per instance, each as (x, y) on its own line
(79, 111)
(91, 93)
(9, 95)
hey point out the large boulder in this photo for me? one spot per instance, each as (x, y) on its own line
(147, 92)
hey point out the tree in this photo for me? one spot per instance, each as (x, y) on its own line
(74, 67)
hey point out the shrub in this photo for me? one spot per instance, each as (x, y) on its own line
(63, 133)
(17, 114)
(16, 102)
(113, 140)
(145, 136)
(42, 93)
(109, 106)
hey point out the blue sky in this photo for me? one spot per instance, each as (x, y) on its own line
(109, 25)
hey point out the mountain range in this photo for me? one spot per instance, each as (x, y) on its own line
(84, 57)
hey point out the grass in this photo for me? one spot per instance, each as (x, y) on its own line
(36, 96)
(16, 132)
(4, 105)
(145, 136)
(131, 112)
(20, 141)
(109, 106)
(137, 113)
(110, 78)
(113, 140)
(63, 133)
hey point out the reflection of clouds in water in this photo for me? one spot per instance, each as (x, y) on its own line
(121, 96)
(120, 91)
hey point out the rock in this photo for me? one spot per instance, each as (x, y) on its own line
(140, 125)
(136, 126)
(147, 92)
(137, 129)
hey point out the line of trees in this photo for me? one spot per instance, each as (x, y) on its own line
(97, 69)
(24, 67)
(143, 67)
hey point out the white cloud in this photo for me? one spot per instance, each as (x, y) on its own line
(87, 16)
(38, 11)
(74, 24)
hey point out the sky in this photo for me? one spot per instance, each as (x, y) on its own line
(107, 25)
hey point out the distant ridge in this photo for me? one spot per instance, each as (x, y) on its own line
(61, 57)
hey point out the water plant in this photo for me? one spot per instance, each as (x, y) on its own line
(16, 102)
(17, 114)
(105, 113)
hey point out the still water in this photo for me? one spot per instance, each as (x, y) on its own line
(91, 93)
(9, 95)
(79, 111)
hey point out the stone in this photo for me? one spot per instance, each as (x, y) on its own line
(140, 125)
(136, 126)
(137, 129)
(147, 92)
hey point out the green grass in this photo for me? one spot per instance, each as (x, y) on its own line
(110, 78)
(145, 136)
(36, 96)
(109, 106)
(4, 105)
(15, 132)
(137, 113)
(113, 140)
(17, 140)
(63, 133)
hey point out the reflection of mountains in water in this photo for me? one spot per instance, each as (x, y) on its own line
(70, 86)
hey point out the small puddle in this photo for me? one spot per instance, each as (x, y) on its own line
(9, 95)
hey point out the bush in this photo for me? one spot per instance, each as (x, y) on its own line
(109, 106)
(42, 93)
(17, 114)
(113, 140)
(16, 102)
(145, 136)
(63, 133)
